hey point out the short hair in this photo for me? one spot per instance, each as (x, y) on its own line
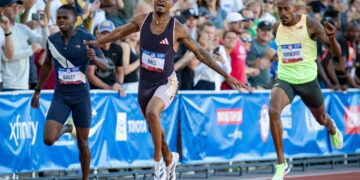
(334, 14)
(69, 8)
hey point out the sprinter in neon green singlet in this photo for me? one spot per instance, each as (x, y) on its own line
(296, 40)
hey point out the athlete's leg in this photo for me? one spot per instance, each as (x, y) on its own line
(57, 115)
(82, 120)
(279, 99)
(323, 118)
(152, 114)
(166, 153)
(82, 135)
(311, 95)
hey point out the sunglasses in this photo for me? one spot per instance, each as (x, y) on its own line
(246, 40)
(249, 19)
(268, 2)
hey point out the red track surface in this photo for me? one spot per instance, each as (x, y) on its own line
(328, 176)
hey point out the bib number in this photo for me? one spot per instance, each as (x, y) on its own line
(153, 61)
(71, 76)
(291, 53)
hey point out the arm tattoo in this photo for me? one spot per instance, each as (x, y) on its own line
(205, 58)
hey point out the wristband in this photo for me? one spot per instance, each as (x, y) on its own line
(37, 89)
(7, 34)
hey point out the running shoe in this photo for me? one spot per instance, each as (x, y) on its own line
(159, 171)
(171, 169)
(280, 171)
(337, 138)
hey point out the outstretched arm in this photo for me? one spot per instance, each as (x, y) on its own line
(203, 56)
(120, 32)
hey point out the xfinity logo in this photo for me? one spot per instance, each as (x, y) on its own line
(23, 131)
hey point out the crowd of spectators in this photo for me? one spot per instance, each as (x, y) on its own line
(237, 33)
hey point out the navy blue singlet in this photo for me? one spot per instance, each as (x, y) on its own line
(157, 56)
(157, 52)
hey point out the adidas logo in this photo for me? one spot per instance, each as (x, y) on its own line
(164, 41)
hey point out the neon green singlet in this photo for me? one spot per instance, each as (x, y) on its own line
(297, 53)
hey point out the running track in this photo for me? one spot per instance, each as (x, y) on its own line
(351, 175)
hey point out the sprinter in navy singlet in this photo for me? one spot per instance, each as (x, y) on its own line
(70, 56)
(159, 39)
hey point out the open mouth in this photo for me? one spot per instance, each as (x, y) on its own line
(61, 26)
(160, 5)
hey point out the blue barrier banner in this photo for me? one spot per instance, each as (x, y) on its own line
(118, 137)
(211, 127)
(223, 127)
(345, 110)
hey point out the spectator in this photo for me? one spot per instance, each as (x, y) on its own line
(249, 18)
(260, 56)
(83, 10)
(15, 71)
(184, 71)
(326, 71)
(231, 6)
(181, 5)
(238, 53)
(352, 14)
(268, 11)
(143, 8)
(212, 8)
(247, 40)
(205, 78)
(113, 76)
(256, 7)
(131, 62)
(319, 7)
(6, 44)
(301, 7)
(191, 21)
(119, 11)
(345, 63)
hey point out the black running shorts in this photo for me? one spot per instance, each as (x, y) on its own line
(309, 92)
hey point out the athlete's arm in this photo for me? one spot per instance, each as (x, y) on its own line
(44, 75)
(202, 55)
(326, 34)
(120, 32)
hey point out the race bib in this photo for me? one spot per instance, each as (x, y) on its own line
(153, 61)
(291, 53)
(71, 76)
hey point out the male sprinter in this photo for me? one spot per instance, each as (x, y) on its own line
(70, 58)
(296, 39)
(160, 35)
